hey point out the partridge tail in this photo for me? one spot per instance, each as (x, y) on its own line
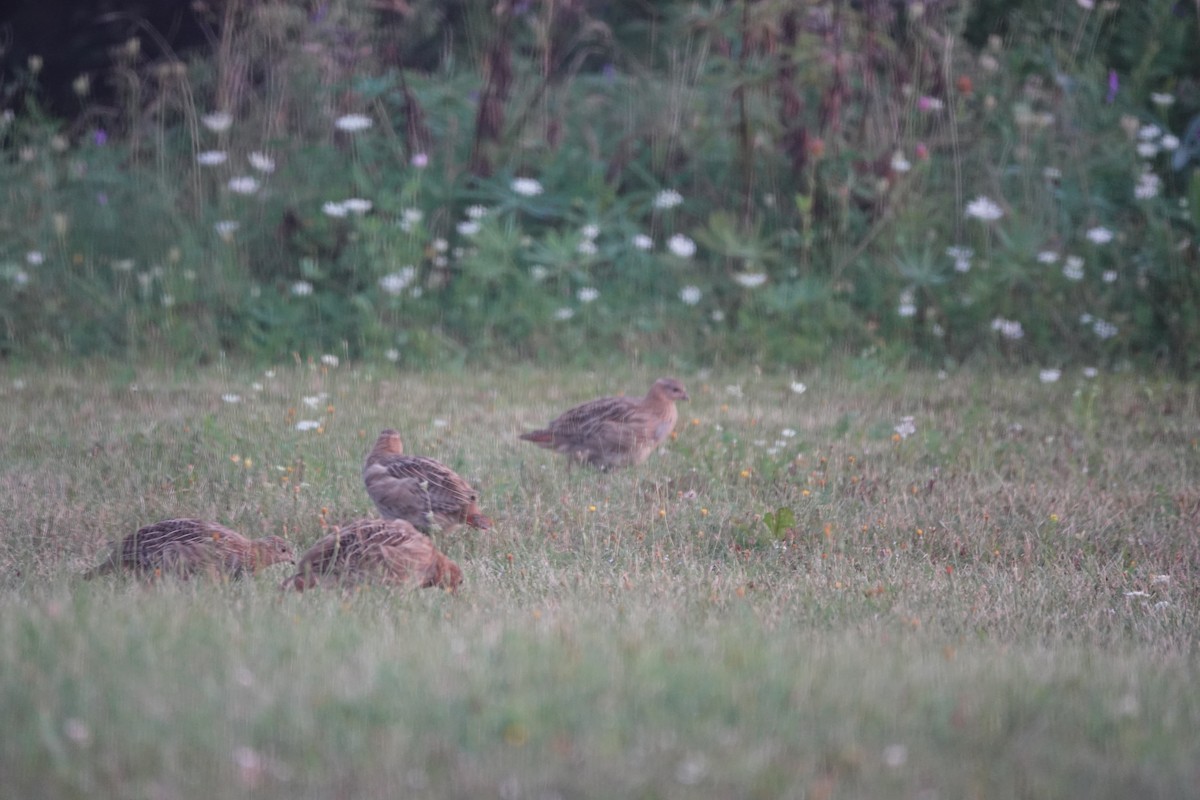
(539, 437)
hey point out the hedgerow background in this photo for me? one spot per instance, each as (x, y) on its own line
(432, 182)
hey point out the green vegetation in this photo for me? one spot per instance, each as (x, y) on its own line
(440, 183)
(804, 594)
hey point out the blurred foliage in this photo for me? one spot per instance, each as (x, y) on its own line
(757, 180)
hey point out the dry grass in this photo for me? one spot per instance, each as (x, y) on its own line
(1001, 604)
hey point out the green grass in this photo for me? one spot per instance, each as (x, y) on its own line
(1002, 604)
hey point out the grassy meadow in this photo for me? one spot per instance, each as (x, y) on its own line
(805, 594)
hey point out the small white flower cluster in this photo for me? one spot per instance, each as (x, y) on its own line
(667, 198)
(984, 209)
(398, 281)
(908, 304)
(587, 244)
(962, 257)
(1102, 328)
(906, 428)
(352, 205)
(690, 295)
(1008, 328)
(353, 123)
(1073, 268)
(1148, 185)
(410, 218)
(750, 280)
(526, 187)
(681, 246)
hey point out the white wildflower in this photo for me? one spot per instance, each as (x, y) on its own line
(1109, 276)
(1103, 329)
(211, 158)
(1147, 149)
(476, 211)
(962, 257)
(308, 425)
(1162, 99)
(410, 218)
(1047, 257)
(1049, 375)
(985, 209)
(906, 428)
(750, 280)
(218, 121)
(1148, 133)
(690, 295)
(397, 282)
(798, 388)
(587, 294)
(590, 231)
(261, 162)
(1169, 142)
(35, 258)
(1008, 328)
(1090, 372)
(243, 184)
(302, 288)
(333, 209)
(357, 205)
(908, 306)
(527, 187)
(1073, 268)
(392, 354)
(564, 314)
(642, 242)
(468, 227)
(226, 228)
(1148, 186)
(900, 163)
(231, 398)
(330, 360)
(353, 123)
(1099, 235)
(681, 246)
(667, 198)
(587, 247)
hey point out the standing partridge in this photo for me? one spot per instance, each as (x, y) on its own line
(422, 491)
(614, 431)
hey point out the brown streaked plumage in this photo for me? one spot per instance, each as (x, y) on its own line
(614, 431)
(419, 490)
(388, 550)
(186, 547)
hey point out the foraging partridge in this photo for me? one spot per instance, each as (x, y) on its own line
(185, 547)
(389, 550)
(421, 491)
(614, 431)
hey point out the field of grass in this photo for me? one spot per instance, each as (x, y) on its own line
(1002, 602)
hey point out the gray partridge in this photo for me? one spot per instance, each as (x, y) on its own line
(390, 551)
(614, 431)
(422, 491)
(186, 547)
